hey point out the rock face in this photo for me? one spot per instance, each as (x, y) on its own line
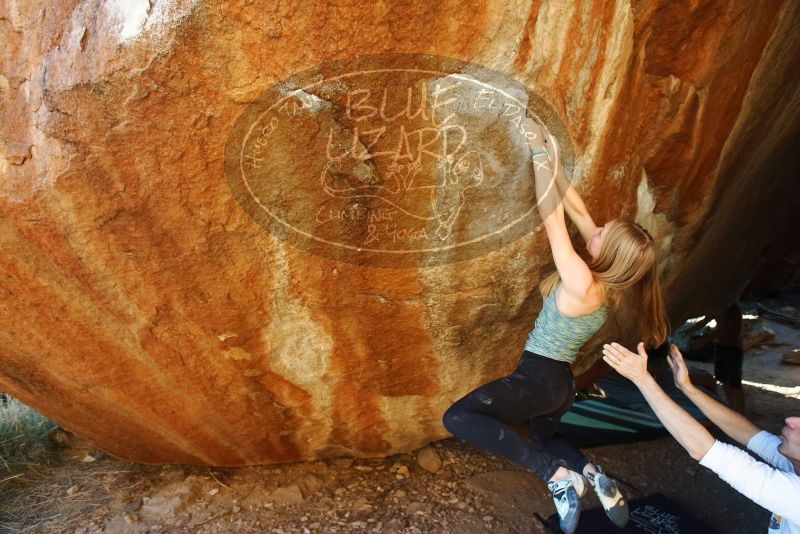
(145, 305)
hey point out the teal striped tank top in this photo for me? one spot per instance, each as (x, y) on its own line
(560, 336)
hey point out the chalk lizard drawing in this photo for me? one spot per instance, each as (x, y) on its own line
(446, 196)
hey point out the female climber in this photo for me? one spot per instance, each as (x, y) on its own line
(578, 298)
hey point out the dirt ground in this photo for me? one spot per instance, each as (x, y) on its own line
(471, 491)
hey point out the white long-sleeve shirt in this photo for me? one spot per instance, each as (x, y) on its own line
(776, 488)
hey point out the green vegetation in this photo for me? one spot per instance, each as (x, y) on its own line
(23, 438)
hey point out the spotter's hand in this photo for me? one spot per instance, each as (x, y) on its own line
(630, 365)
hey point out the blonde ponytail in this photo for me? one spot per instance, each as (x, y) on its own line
(627, 268)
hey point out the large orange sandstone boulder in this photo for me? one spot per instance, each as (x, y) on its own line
(251, 232)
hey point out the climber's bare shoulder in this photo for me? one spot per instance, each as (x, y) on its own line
(580, 298)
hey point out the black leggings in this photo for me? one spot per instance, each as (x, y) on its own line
(539, 391)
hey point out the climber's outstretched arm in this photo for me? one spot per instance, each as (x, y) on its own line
(575, 275)
(574, 205)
